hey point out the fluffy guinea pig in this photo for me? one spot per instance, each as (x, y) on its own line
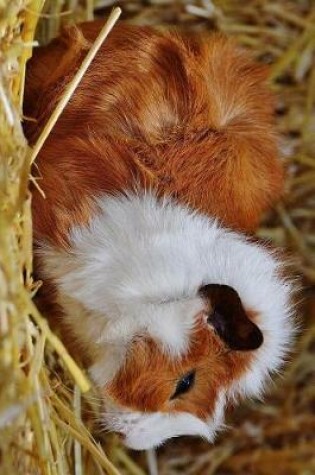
(161, 164)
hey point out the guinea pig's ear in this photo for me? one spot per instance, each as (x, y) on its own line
(229, 319)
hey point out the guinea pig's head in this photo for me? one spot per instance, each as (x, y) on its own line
(158, 393)
(180, 316)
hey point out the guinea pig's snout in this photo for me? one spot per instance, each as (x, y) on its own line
(121, 436)
(230, 320)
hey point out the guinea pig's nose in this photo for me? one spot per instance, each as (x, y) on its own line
(120, 436)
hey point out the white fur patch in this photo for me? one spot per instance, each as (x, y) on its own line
(137, 268)
(144, 431)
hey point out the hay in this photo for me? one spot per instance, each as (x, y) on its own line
(41, 427)
(40, 422)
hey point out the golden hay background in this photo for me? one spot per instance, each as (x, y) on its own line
(41, 431)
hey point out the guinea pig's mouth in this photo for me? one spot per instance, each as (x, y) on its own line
(140, 431)
(145, 430)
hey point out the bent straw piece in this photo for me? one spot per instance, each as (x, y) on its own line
(77, 374)
(62, 413)
(129, 464)
(57, 446)
(89, 444)
(40, 439)
(71, 87)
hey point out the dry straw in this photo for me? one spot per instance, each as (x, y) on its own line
(42, 408)
(40, 427)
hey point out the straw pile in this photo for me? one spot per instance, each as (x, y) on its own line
(41, 431)
(41, 388)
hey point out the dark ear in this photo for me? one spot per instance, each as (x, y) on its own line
(229, 319)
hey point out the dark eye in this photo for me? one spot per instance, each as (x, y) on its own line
(184, 384)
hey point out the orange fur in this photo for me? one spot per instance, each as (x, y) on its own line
(149, 377)
(189, 116)
(73, 172)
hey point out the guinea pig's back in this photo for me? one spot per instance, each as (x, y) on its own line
(187, 115)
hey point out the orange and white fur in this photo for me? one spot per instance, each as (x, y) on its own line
(158, 169)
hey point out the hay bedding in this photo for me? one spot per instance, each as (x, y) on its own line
(41, 403)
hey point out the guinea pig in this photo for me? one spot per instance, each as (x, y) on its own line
(160, 165)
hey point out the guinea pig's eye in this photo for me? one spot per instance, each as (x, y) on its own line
(184, 384)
